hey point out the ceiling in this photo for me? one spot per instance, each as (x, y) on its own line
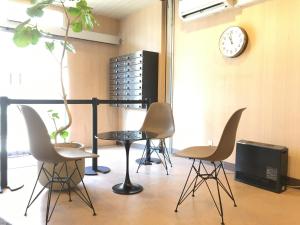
(117, 8)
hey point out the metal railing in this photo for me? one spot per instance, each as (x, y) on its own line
(94, 102)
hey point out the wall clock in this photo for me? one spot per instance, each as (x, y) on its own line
(233, 41)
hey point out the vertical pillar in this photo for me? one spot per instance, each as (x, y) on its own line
(95, 129)
(3, 134)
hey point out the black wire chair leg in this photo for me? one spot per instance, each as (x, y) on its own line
(29, 202)
(165, 163)
(219, 195)
(141, 160)
(49, 195)
(167, 152)
(182, 195)
(231, 194)
(68, 182)
(195, 184)
(87, 194)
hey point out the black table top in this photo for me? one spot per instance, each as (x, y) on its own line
(126, 135)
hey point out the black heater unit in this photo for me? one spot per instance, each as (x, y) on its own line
(261, 165)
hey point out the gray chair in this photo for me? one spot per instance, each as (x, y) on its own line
(214, 155)
(159, 120)
(42, 149)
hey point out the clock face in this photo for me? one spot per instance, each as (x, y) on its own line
(233, 41)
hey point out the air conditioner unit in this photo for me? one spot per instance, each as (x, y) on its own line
(192, 9)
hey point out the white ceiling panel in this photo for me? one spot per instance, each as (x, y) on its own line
(118, 8)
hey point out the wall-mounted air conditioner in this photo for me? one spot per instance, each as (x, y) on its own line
(192, 9)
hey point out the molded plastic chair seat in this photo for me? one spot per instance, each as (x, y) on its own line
(74, 154)
(197, 152)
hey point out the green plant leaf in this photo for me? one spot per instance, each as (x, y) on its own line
(22, 25)
(64, 134)
(25, 35)
(74, 11)
(69, 46)
(52, 135)
(55, 115)
(77, 26)
(81, 4)
(37, 9)
(50, 47)
(88, 21)
(35, 36)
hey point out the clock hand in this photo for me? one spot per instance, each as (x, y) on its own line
(230, 38)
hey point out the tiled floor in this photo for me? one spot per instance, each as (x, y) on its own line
(155, 205)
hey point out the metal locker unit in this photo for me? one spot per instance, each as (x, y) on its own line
(134, 77)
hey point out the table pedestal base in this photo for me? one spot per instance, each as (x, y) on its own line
(89, 171)
(145, 161)
(127, 189)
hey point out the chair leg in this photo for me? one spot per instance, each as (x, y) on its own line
(86, 192)
(231, 194)
(205, 175)
(219, 195)
(195, 184)
(141, 160)
(166, 152)
(29, 202)
(186, 189)
(49, 195)
(165, 163)
(68, 182)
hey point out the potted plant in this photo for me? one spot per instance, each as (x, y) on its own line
(78, 18)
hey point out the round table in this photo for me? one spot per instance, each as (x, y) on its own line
(127, 137)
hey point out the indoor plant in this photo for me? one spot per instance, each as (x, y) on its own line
(78, 18)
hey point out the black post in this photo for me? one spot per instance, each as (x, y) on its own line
(95, 168)
(4, 102)
(3, 133)
(94, 132)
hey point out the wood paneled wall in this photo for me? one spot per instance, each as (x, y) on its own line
(208, 88)
(141, 31)
(89, 77)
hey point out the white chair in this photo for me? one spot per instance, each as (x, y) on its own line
(159, 120)
(42, 149)
(214, 155)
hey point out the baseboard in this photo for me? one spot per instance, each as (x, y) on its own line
(293, 181)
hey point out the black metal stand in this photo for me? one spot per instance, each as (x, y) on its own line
(127, 188)
(204, 176)
(3, 156)
(148, 150)
(94, 169)
(147, 160)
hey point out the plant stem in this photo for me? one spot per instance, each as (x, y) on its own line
(55, 137)
(61, 75)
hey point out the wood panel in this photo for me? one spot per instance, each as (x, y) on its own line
(88, 71)
(142, 31)
(208, 88)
